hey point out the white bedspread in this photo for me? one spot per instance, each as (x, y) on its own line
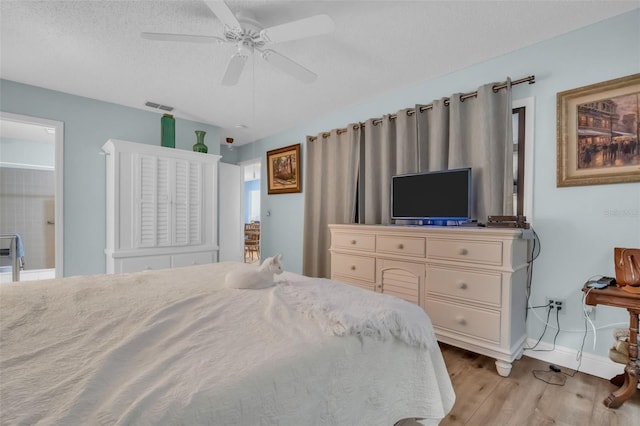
(176, 347)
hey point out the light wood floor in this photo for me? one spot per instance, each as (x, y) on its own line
(485, 398)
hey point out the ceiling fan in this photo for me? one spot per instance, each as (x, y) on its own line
(248, 37)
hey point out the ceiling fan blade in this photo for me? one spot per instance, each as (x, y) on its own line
(289, 66)
(234, 69)
(182, 38)
(224, 14)
(307, 27)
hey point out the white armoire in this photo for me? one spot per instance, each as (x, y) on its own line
(161, 207)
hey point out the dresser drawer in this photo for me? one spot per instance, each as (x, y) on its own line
(143, 263)
(472, 286)
(358, 267)
(486, 252)
(188, 259)
(463, 319)
(353, 241)
(409, 246)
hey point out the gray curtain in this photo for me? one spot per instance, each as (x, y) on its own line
(389, 148)
(474, 132)
(433, 136)
(452, 133)
(332, 163)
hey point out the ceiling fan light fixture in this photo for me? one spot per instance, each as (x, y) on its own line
(289, 66)
(234, 69)
(248, 35)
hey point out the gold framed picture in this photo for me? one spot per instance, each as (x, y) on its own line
(598, 129)
(283, 170)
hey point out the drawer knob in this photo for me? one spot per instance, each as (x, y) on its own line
(460, 320)
(353, 241)
(353, 267)
(463, 286)
(463, 251)
(400, 246)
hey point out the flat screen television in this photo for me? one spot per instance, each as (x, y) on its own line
(432, 197)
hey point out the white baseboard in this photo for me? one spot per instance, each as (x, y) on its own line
(595, 365)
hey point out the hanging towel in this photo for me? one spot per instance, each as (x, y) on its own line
(19, 246)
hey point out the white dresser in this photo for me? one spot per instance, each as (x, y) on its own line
(161, 207)
(470, 281)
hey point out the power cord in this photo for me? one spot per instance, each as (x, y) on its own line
(540, 306)
(530, 260)
(550, 377)
(602, 327)
(587, 318)
(555, 337)
(546, 323)
(556, 376)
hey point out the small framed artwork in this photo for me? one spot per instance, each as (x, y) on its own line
(283, 170)
(598, 127)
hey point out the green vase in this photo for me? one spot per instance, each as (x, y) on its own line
(200, 146)
(168, 131)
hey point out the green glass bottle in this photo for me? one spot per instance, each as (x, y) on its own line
(168, 131)
(200, 146)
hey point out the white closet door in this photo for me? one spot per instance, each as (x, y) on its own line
(164, 215)
(230, 213)
(195, 203)
(153, 199)
(181, 203)
(161, 207)
(146, 196)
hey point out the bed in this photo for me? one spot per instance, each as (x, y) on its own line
(177, 347)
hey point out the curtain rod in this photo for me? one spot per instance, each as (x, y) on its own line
(530, 79)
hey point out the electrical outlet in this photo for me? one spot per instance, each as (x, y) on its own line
(556, 304)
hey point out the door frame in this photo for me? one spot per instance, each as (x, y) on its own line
(243, 165)
(59, 176)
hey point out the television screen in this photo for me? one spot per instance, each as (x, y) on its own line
(436, 196)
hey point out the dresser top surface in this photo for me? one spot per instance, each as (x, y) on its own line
(428, 230)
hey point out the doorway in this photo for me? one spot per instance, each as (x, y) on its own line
(251, 209)
(31, 202)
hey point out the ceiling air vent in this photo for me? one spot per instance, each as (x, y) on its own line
(158, 106)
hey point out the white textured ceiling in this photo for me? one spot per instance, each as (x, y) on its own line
(94, 49)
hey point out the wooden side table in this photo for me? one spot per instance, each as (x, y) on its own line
(614, 296)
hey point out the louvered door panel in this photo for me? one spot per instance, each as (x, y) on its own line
(401, 284)
(163, 212)
(170, 202)
(181, 203)
(401, 279)
(195, 203)
(146, 199)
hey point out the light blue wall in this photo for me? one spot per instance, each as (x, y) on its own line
(578, 226)
(88, 124)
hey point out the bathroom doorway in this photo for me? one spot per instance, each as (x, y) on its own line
(31, 197)
(251, 171)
